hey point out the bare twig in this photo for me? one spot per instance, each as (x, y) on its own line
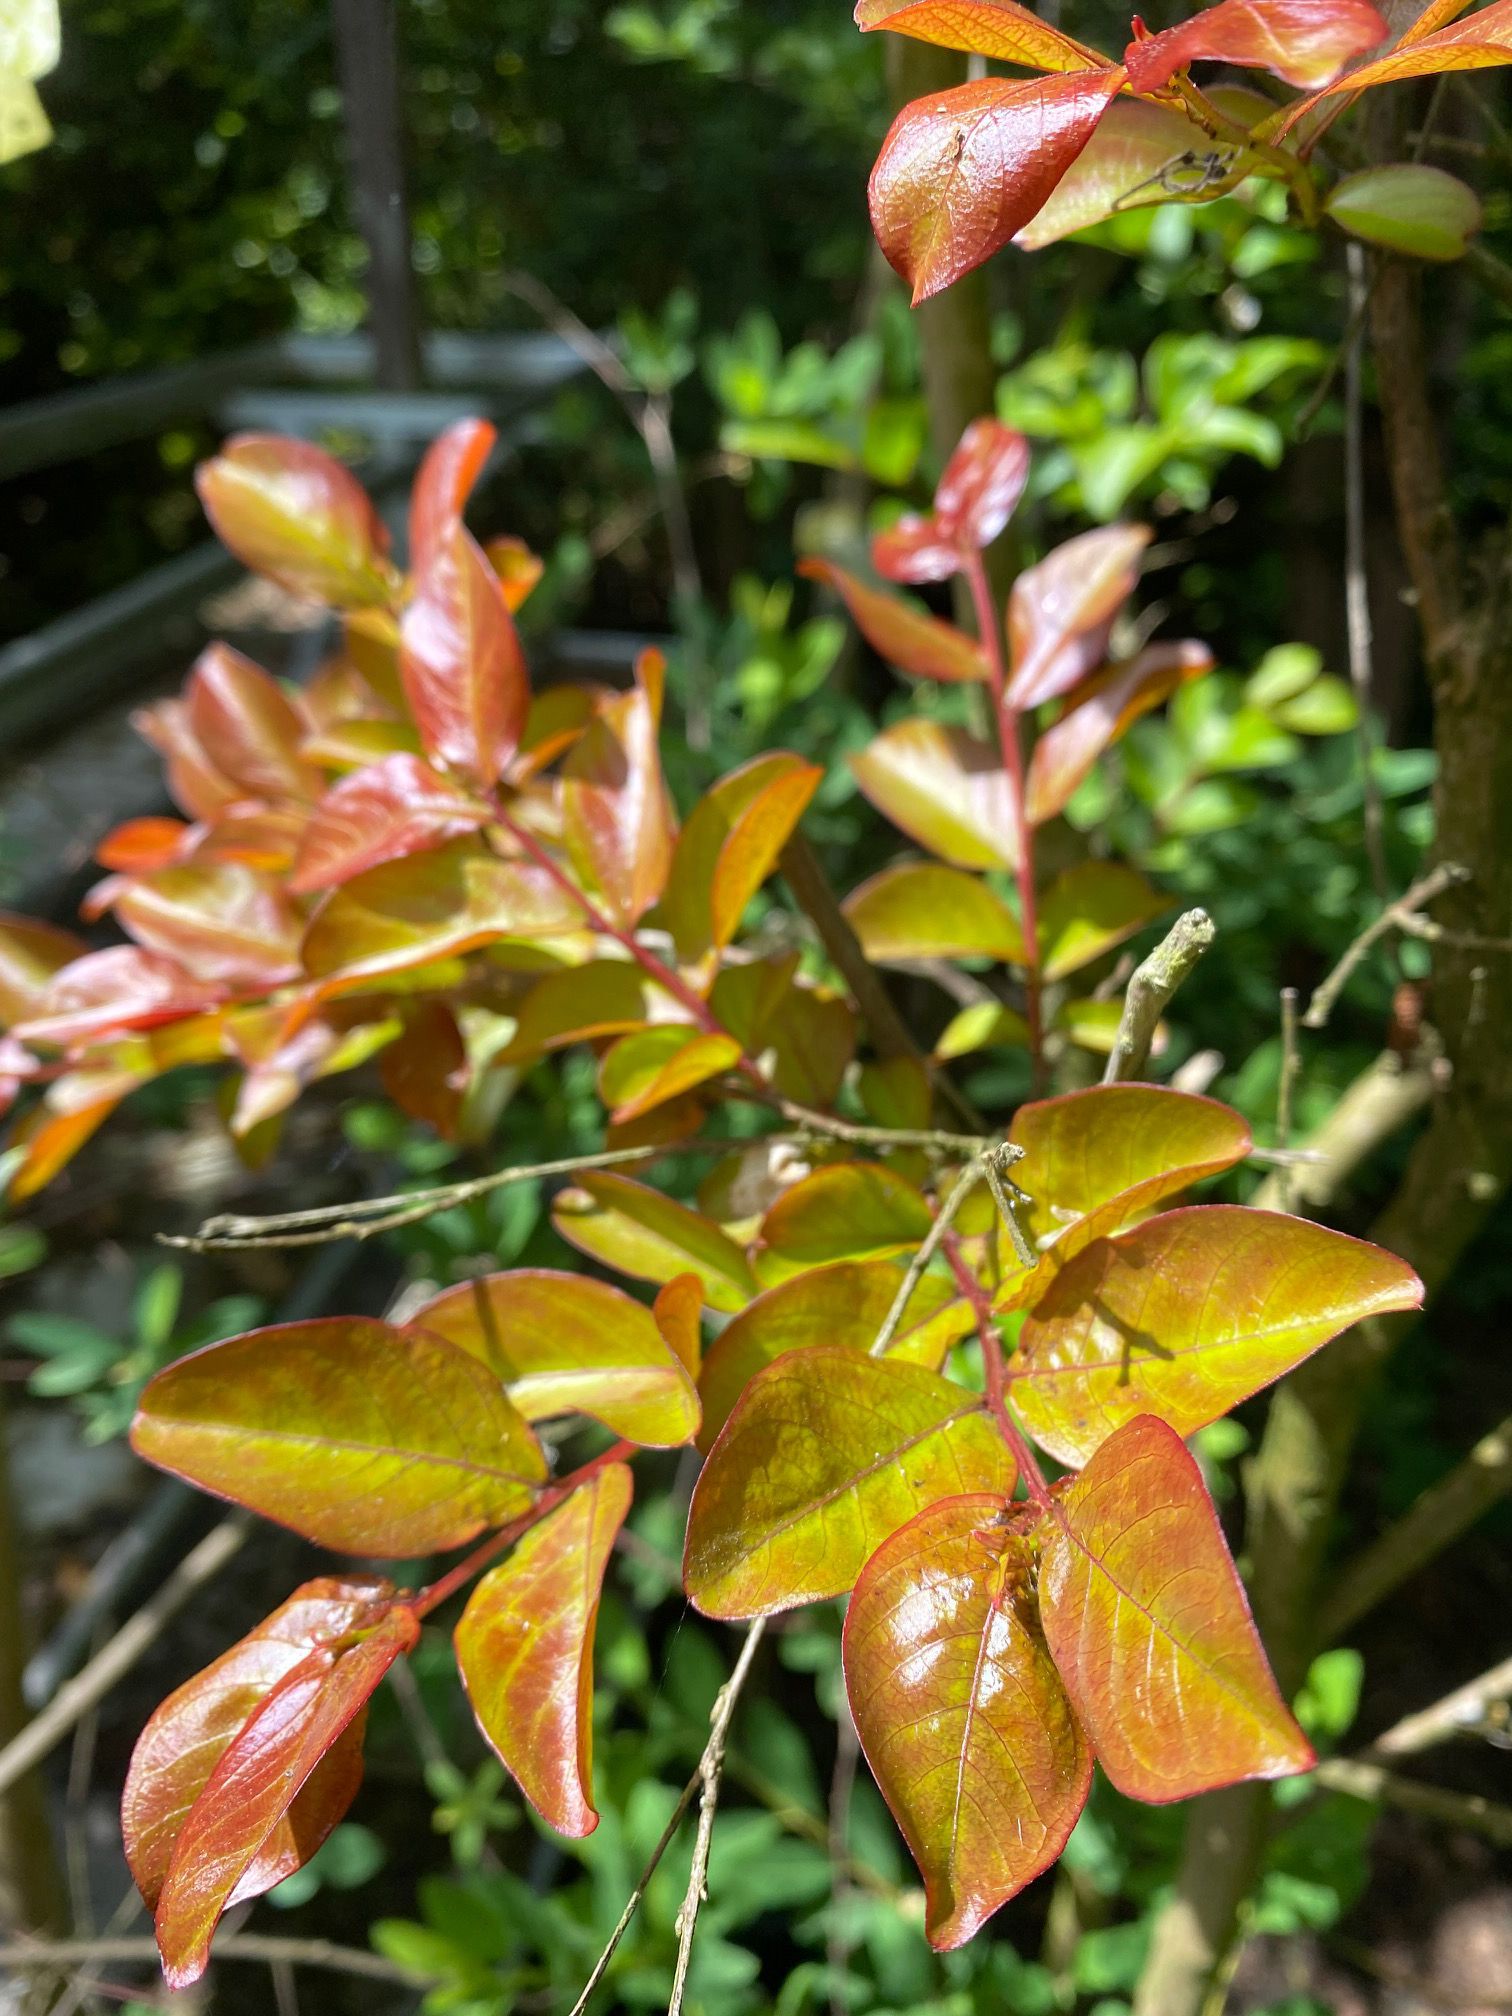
(263, 1948)
(973, 1173)
(1462, 1713)
(842, 1785)
(1356, 582)
(1155, 980)
(1291, 1065)
(1437, 1519)
(116, 1658)
(1376, 1105)
(1399, 916)
(1432, 1802)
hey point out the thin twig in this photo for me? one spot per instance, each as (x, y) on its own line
(201, 1565)
(642, 1884)
(933, 1239)
(1432, 1802)
(1356, 581)
(1462, 1713)
(1396, 916)
(1155, 980)
(1291, 1065)
(1375, 1106)
(842, 1785)
(27, 1955)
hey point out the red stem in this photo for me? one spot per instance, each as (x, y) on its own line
(997, 1376)
(436, 1593)
(990, 632)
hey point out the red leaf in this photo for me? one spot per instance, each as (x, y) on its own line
(452, 465)
(247, 726)
(425, 1071)
(900, 631)
(186, 1737)
(464, 672)
(222, 922)
(256, 1782)
(962, 170)
(288, 510)
(996, 28)
(1304, 42)
(915, 549)
(1098, 712)
(1147, 1621)
(1061, 611)
(122, 988)
(1483, 41)
(982, 484)
(395, 807)
(617, 819)
(960, 1711)
(525, 1650)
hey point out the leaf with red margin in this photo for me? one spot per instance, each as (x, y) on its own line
(31, 956)
(730, 845)
(444, 482)
(525, 1650)
(433, 906)
(396, 807)
(463, 668)
(120, 988)
(617, 819)
(357, 1435)
(975, 498)
(638, 1231)
(1303, 42)
(194, 783)
(915, 549)
(1147, 1621)
(1090, 908)
(256, 1782)
(678, 1312)
(943, 787)
(565, 1344)
(994, 28)
(826, 1454)
(900, 631)
(1094, 1161)
(1186, 1316)
(647, 1067)
(1099, 711)
(187, 1735)
(961, 1713)
(920, 911)
(962, 170)
(248, 727)
(844, 1211)
(1483, 41)
(224, 923)
(288, 510)
(844, 1304)
(1061, 611)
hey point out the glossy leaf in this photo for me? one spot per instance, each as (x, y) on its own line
(187, 1735)
(975, 498)
(1482, 41)
(650, 1066)
(1148, 1624)
(519, 570)
(900, 631)
(256, 1782)
(638, 1231)
(288, 510)
(918, 911)
(31, 954)
(944, 788)
(566, 1344)
(393, 808)
(994, 28)
(1135, 140)
(962, 170)
(678, 1313)
(1303, 42)
(826, 1454)
(121, 988)
(1186, 1316)
(464, 671)
(617, 819)
(844, 1211)
(842, 1305)
(960, 1711)
(1098, 713)
(1061, 611)
(221, 922)
(443, 483)
(729, 846)
(357, 1435)
(1408, 207)
(1089, 909)
(433, 906)
(248, 727)
(194, 783)
(525, 1650)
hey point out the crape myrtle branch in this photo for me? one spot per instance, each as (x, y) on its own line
(1403, 915)
(1154, 981)
(1462, 1713)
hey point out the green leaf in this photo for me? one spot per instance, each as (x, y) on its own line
(1407, 207)
(919, 911)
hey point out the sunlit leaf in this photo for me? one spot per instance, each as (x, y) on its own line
(995, 28)
(443, 483)
(729, 846)
(638, 1231)
(223, 923)
(825, 1455)
(602, 997)
(1303, 42)
(1135, 139)
(566, 1344)
(1061, 611)
(290, 511)
(1098, 712)
(357, 1435)
(900, 631)
(1186, 1316)
(844, 1211)
(962, 170)
(393, 808)
(919, 911)
(121, 988)
(1408, 207)
(525, 1650)
(982, 1025)
(31, 953)
(247, 726)
(944, 788)
(678, 1313)
(464, 671)
(960, 1711)
(519, 570)
(139, 844)
(1089, 909)
(648, 1067)
(617, 819)
(1147, 1622)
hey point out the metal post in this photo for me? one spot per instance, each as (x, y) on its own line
(367, 62)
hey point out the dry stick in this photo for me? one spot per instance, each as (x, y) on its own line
(1454, 1809)
(1433, 1522)
(1374, 1106)
(1398, 916)
(1155, 980)
(1356, 583)
(1458, 1714)
(30, 1954)
(1291, 1065)
(116, 1658)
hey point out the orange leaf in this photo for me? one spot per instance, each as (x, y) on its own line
(393, 808)
(825, 1455)
(961, 1713)
(464, 672)
(31, 953)
(1303, 42)
(730, 845)
(845, 1211)
(247, 726)
(647, 1067)
(525, 1650)
(223, 923)
(994, 28)
(358, 1435)
(900, 631)
(638, 1231)
(1482, 41)
(617, 819)
(1147, 1621)
(944, 788)
(1100, 711)
(121, 988)
(288, 510)
(1186, 1316)
(974, 499)
(602, 997)
(678, 1310)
